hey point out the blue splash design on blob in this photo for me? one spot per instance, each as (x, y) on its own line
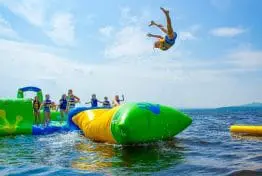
(150, 107)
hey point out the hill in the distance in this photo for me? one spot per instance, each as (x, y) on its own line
(255, 104)
(250, 105)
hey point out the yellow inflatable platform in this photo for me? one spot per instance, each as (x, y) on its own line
(247, 129)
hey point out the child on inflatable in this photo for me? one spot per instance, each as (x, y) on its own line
(116, 101)
(106, 103)
(36, 108)
(47, 109)
(164, 43)
(72, 100)
(63, 107)
(94, 101)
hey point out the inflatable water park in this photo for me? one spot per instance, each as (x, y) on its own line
(128, 123)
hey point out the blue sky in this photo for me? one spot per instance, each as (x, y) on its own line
(101, 47)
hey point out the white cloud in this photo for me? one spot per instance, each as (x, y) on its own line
(6, 30)
(187, 36)
(31, 10)
(129, 42)
(106, 31)
(171, 78)
(127, 18)
(190, 33)
(195, 28)
(246, 59)
(62, 29)
(158, 79)
(227, 31)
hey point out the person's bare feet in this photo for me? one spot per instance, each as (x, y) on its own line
(164, 10)
(149, 35)
(152, 23)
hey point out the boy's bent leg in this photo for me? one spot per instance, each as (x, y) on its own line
(170, 31)
(49, 117)
(160, 26)
(38, 118)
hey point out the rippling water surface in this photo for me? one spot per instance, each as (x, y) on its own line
(205, 148)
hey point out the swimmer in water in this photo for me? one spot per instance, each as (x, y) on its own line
(164, 43)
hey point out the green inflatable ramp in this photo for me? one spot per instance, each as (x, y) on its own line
(16, 117)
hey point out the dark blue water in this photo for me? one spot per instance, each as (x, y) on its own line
(205, 148)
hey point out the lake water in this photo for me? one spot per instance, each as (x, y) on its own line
(204, 148)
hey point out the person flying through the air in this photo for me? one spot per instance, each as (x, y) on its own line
(164, 43)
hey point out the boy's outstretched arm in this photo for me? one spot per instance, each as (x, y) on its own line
(77, 98)
(100, 101)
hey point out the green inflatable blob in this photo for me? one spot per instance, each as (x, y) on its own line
(55, 116)
(145, 122)
(16, 117)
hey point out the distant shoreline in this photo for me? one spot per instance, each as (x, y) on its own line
(250, 105)
(245, 106)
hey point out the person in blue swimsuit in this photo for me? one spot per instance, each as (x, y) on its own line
(63, 107)
(94, 101)
(106, 103)
(47, 109)
(164, 43)
(71, 100)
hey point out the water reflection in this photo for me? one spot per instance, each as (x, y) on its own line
(93, 156)
(136, 158)
(246, 137)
